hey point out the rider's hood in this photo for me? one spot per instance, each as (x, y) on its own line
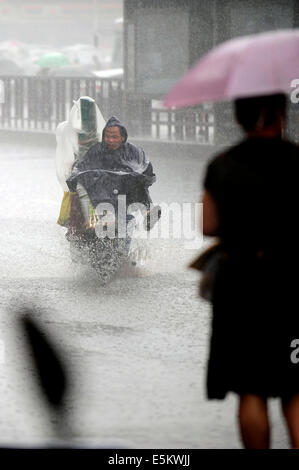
(114, 122)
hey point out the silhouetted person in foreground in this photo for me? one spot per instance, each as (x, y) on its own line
(251, 202)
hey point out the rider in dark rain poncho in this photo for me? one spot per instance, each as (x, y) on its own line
(114, 153)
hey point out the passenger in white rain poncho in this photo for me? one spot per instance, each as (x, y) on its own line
(74, 137)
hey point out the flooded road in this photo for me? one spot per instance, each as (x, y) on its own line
(137, 346)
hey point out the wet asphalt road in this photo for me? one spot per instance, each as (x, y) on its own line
(137, 347)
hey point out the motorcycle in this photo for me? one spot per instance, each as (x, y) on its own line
(115, 235)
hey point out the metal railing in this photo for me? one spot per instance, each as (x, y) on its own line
(195, 124)
(41, 103)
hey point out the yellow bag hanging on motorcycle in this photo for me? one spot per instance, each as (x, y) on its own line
(65, 209)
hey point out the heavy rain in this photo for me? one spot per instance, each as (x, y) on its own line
(133, 335)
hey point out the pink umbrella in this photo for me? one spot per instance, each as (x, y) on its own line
(259, 64)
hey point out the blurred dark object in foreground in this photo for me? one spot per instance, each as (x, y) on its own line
(50, 367)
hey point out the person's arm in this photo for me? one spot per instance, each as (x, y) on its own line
(210, 219)
(150, 177)
(149, 170)
(84, 202)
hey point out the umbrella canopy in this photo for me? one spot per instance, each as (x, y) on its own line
(52, 59)
(260, 64)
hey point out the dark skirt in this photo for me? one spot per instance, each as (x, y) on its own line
(255, 319)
